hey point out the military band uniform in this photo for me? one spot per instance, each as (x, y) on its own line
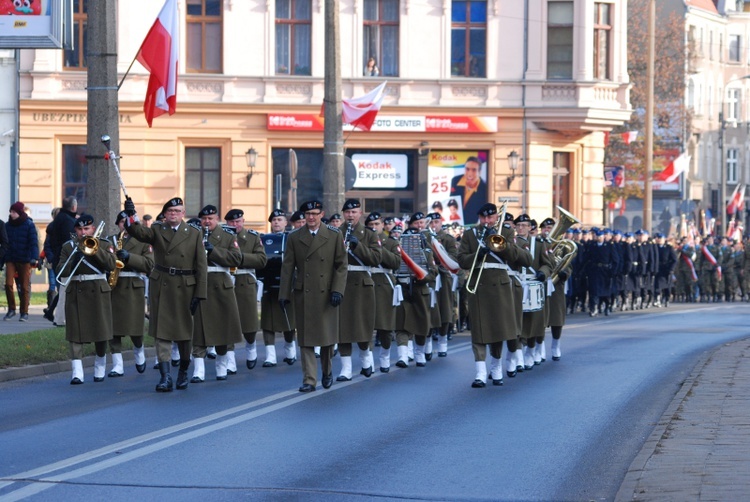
(357, 313)
(88, 303)
(413, 316)
(272, 319)
(313, 268)
(176, 283)
(217, 319)
(446, 292)
(492, 309)
(385, 311)
(534, 323)
(558, 312)
(246, 282)
(129, 299)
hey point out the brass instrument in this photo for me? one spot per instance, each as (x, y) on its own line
(564, 250)
(494, 241)
(119, 265)
(89, 246)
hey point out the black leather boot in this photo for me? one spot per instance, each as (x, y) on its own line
(182, 375)
(165, 384)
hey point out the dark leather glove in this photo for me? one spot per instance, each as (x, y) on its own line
(353, 242)
(129, 206)
(540, 276)
(563, 276)
(122, 255)
(482, 252)
(194, 302)
(283, 302)
(209, 247)
(336, 298)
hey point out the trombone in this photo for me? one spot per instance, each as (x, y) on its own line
(90, 245)
(494, 241)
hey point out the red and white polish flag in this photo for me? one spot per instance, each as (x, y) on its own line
(159, 54)
(629, 137)
(361, 112)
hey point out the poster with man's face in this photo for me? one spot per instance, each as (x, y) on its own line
(457, 184)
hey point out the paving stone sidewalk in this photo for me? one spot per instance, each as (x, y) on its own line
(700, 449)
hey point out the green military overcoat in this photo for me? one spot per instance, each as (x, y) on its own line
(129, 294)
(169, 293)
(312, 269)
(246, 284)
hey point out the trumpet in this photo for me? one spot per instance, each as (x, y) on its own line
(89, 246)
(119, 265)
(494, 241)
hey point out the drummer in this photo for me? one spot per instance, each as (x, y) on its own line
(272, 318)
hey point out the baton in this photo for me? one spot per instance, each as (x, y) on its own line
(111, 155)
(289, 326)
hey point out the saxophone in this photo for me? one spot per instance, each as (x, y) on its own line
(119, 265)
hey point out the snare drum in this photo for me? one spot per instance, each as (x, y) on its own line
(533, 296)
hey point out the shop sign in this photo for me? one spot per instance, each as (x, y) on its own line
(384, 171)
(390, 123)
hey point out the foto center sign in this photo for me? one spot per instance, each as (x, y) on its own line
(384, 171)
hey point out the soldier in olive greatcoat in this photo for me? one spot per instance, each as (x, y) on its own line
(88, 303)
(313, 276)
(448, 281)
(534, 322)
(357, 313)
(387, 297)
(177, 285)
(129, 296)
(492, 305)
(245, 278)
(217, 319)
(556, 300)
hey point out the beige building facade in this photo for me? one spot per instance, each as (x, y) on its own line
(543, 78)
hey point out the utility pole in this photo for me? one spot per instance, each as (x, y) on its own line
(723, 169)
(103, 111)
(648, 195)
(333, 134)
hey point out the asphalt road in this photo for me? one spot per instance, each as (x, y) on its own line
(567, 430)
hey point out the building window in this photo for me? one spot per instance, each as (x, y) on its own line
(204, 36)
(561, 180)
(733, 104)
(293, 37)
(602, 40)
(380, 29)
(560, 40)
(202, 178)
(469, 38)
(734, 48)
(75, 174)
(75, 58)
(732, 156)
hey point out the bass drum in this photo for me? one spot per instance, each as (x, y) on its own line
(274, 245)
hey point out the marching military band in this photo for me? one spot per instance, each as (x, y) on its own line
(365, 280)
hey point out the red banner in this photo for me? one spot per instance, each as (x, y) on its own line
(295, 122)
(460, 124)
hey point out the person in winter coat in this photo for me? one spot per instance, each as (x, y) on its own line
(21, 256)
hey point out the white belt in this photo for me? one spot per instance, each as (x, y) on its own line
(217, 269)
(357, 268)
(131, 274)
(501, 266)
(88, 277)
(245, 271)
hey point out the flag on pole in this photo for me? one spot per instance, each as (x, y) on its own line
(629, 137)
(737, 200)
(674, 169)
(159, 55)
(361, 112)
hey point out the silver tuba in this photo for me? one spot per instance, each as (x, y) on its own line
(563, 250)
